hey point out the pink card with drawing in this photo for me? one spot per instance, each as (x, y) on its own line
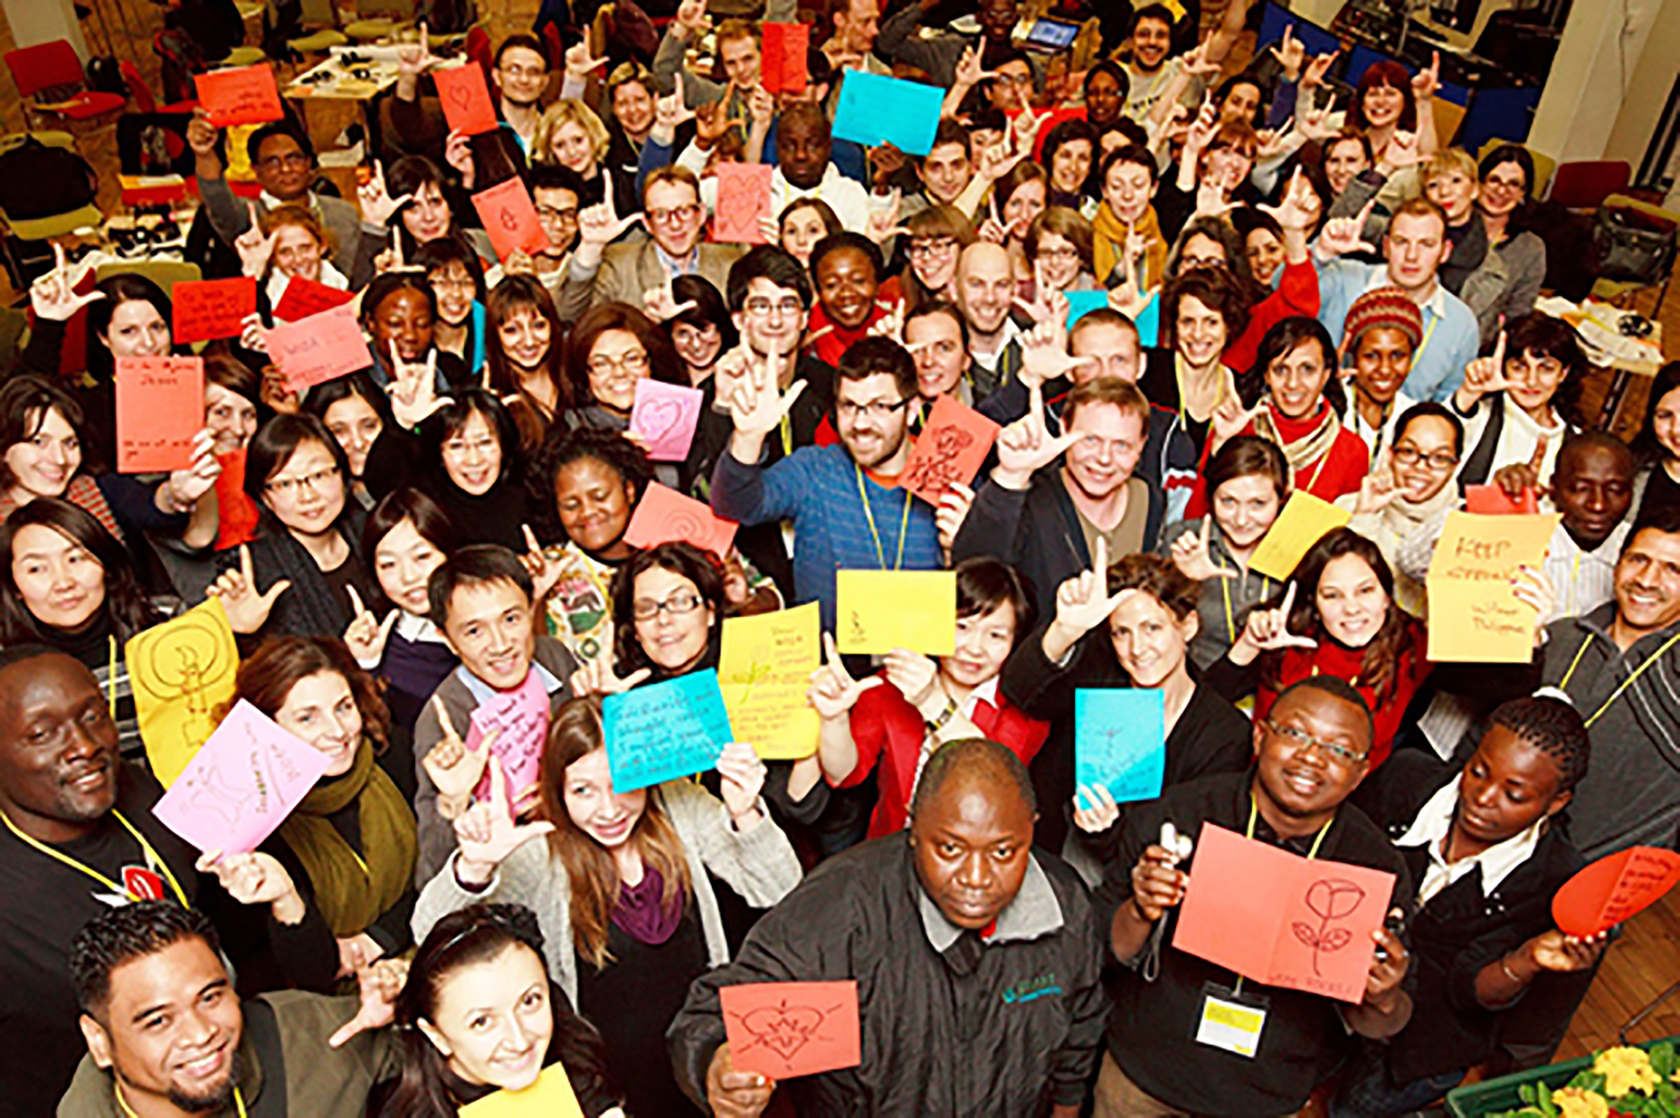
(665, 416)
(952, 447)
(241, 785)
(522, 717)
(789, 1029)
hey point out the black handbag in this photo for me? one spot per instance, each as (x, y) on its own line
(1631, 244)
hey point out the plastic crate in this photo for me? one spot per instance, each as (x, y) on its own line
(1495, 1096)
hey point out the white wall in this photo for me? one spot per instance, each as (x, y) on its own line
(33, 22)
(1600, 73)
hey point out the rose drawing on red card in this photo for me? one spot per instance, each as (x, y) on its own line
(1329, 900)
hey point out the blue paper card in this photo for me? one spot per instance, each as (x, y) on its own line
(875, 109)
(1082, 303)
(1120, 739)
(1149, 321)
(665, 730)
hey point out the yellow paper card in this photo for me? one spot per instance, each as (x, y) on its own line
(1300, 525)
(883, 610)
(764, 673)
(551, 1096)
(1473, 614)
(182, 673)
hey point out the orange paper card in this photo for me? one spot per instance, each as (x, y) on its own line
(789, 1029)
(205, 310)
(782, 69)
(1490, 500)
(160, 407)
(743, 201)
(247, 95)
(1474, 614)
(1303, 520)
(1281, 919)
(664, 514)
(1614, 889)
(510, 218)
(551, 1096)
(305, 297)
(952, 447)
(319, 348)
(466, 99)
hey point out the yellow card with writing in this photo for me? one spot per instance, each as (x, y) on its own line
(764, 673)
(1303, 520)
(551, 1096)
(1473, 614)
(883, 610)
(182, 673)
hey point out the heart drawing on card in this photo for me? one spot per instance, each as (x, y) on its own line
(659, 419)
(784, 1029)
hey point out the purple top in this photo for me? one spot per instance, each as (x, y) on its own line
(641, 916)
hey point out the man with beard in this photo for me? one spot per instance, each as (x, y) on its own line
(845, 503)
(1156, 34)
(167, 1037)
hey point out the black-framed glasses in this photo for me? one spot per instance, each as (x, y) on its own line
(1438, 460)
(677, 605)
(874, 409)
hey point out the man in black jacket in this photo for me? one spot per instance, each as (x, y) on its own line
(977, 961)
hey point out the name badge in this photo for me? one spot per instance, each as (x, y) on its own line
(1231, 1021)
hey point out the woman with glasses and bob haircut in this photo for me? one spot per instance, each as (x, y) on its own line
(937, 236)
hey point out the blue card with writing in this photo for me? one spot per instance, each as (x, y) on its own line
(665, 730)
(1082, 303)
(875, 109)
(1120, 739)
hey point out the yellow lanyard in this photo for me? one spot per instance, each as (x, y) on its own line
(1423, 345)
(869, 515)
(238, 1102)
(787, 436)
(1253, 815)
(111, 679)
(1625, 684)
(152, 859)
(1230, 618)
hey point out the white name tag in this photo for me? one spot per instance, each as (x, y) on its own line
(1230, 1024)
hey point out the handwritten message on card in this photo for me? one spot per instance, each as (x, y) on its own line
(247, 95)
(743, 202)
(665, 730)
(520, 720)
(182, 672)
(465, 99)
(510, 218)
(304, 298)
(319, 348)
(764, 672)
(664, 514)
(241, 785)
(789, 1029)
(782, 69)
(883, 610)
(1120, 740)
(1473, 612)
(205, 310)
(551, 1096)
(1281, 919)
(665, 416)
(160, 407)
(875, 110)
(1615, 889)
(952, 447)
(1303, 520)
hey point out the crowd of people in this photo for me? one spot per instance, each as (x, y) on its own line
(1306, 291)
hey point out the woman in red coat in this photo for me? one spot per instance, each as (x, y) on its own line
(901, 715)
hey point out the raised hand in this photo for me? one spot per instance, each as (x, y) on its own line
(917, 679)
(691, 19)
(1268, 629)
(1044, 354)
(1402, 151)
(1482, 376)
(712, 122)
(1317, 68)
(1426, 83)
(54, 297)
(1377, 491)
(993, 230)
(1342, 235)
(1512, 479)
(1197, 64)
(1213, 196)
(486, 833)
(1083, 601)
(1157, 882)
(1532, 588)
(252, 334)
(952, 511)
(452, 767)
(378, 207)
(457, 152)
(833, 691)
(414, 59)
(581, 61)
(1192, 555)
(758, 404)
(969, 71)
(545, 572)
(249, 879)
(661, 304)
(1315, 124)
(254, 249)
(1388, 963)
(413, 389)
(1229, 420)
(247, 610)
(1290, 53)
(202, 135)
(1204, 127)
(181, 490)
(379, 986)
(882, 224)
(1300, 205)
(670, 113)
(597, 677)
(600, 225)
(743, 779)
(735, 1094)
(366, 635)
(1094, 809)
(1026, 446)
(1562, 954)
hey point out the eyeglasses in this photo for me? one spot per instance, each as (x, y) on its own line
(1062, 254)
(1014, 79)
(937, 245)
(315, 482)
(1302, 740)
(549, 213)
(874, 409)
(1504, 184)
(451, 284)
(762, 308)
(1201, 262)
(677, 605)
(635, 363)
(1411, 456)
(672, 214)
(290, 159)
(525, 71)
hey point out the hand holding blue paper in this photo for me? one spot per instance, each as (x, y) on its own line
(875, 110)
(665, 730)
(1082, 303)
(1119, 740)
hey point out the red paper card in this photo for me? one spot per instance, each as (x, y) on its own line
(743, 202)
(1614, 889)
(1490, 500)
(783, 67)
(952, 447)
(247, 95)
(664, 514)
(319, 348)
(305, 297)
(510, 219)
(1277, 918)
(466, 99)
(160, 407)
(789, 1029)
(209, 309)
(665, 415)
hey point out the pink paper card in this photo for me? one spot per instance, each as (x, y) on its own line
(241, 785)
(1281, 919)
(665, 415)
(522, 717)
(247, 95)
(160, 407)
(1614, 889)
(319, 348)
(782, 68)
(510, 219)
(1490, 500)
(743, 201)
(952, 447)
(789, 1029)
(304, 298)
(664, 514)
(205, 310)
(466, 99)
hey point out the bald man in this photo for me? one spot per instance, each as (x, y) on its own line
(985, 294)
(963, 940)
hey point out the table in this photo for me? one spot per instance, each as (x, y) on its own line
(361, 81)
(1626, 357)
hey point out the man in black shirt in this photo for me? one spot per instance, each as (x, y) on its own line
(1311, 754)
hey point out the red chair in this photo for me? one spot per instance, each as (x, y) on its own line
(141, 93)
(478, 49)
(556, 47)
(54, 67)
(1585, 185)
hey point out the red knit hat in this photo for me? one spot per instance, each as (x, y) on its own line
(1385, 306)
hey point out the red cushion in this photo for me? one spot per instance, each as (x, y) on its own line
(85, 105)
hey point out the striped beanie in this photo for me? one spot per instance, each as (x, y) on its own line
(1383, 306)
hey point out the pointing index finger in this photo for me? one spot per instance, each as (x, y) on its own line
(356, 606)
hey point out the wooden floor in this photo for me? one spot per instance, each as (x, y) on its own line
(1644, 963)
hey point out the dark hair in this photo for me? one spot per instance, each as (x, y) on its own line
(1160, 13)
(1510, 153)
(473, 565)
(1066, 132)
(24, 403)
(1015, 178)
(224, 370)
(124, 287)
(878, 354)
(406, 176)
(1231, 242)
(1066, 223)
(448, 421)
(598, 444)
(1645, 443)
(1105, 316)
(514, 294)
(1215, 288)
(984, 583)
(1429, 409)
(976, 753)
(950, 131)
(1114, 70)
(931, 307)
(1160, 578)
(435, 256)
(830, 219)
(1247, 456)
(770, 262)
(1389, 73)
(125, 604)
(1658, 517)
(521, 39)
(1555, 728)
(320, 399)
(664, 363)
(428, 518)
(1127, 153)
(834, 242)
(708, 310)
(273, 446)
(1282, 340)
(1339, 688)
(387, 284)
(1578, 442)
(1223, 91)
(1379, 667)
(1247, 219)
(1539, 333)
(268, 675)
(287, 127)
(126, 933)
(703, 568)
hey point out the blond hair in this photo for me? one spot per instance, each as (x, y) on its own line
(558, 115)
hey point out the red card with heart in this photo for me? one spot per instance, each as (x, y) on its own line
(663, 514)
(510, 219)
(1614, 889)
(305, 297)
(1491, 500)
(465, 99)
(743, 202)
(952, 447)
(782, 68)
(788, 1029)
(665, 416)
